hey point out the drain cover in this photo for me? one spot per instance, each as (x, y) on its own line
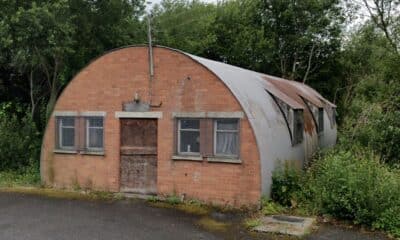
(291, 225)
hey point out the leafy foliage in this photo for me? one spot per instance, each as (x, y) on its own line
(19, 139)
(351, 185)
(285, 182)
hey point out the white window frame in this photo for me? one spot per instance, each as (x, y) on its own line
(187, 130)
(88, 127)
(237, 131)
(60, 128)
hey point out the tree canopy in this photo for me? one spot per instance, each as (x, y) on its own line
(352, 61)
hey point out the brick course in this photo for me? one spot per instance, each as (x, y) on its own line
(182, 85)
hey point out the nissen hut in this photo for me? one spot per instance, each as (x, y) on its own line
(164, 122)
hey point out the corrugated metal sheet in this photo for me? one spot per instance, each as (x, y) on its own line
(269, 127)
(274, 143)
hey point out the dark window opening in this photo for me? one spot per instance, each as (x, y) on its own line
(94, 134)
(320, 120)
(189, 136)
(65, 133)
(298, 126)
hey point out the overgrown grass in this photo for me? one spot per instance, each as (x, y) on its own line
(192, 206)
(28, 177)
(213, 225)
(349, 185)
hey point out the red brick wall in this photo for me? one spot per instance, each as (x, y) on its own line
(113, 79)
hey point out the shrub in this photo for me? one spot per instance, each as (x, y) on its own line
(173, 199)
(286, 182)
(19, 140)
(28, 176)
(354, 186)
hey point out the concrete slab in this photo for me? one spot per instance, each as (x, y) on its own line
(290, 225)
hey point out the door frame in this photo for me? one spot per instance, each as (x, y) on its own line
(154, 115)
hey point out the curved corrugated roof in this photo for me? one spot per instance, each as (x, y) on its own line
(250, 89)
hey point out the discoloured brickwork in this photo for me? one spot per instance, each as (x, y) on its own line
(182, 85)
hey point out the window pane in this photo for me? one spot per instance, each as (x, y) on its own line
(189, 142)
(95, 138)
(227, 124)
(67, 137)
(68, 121)
(227, 143)
(95, 122)
(190, 124)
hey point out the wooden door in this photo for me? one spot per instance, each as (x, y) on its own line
(139, 156)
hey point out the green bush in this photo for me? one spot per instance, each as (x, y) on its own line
(28, 177)
(350, 185)
(19, 140)
(286, 181)
(354, 186)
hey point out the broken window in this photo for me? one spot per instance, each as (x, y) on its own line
(226, 137)
(298, 126)
(94, 134)
(189, 136)
(294, 120)
(66, 133)
(317, 114)
(320, 120)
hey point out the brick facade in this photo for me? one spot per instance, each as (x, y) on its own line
(182, 85)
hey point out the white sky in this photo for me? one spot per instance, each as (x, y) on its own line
(158, 1)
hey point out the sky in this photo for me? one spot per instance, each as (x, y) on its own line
(158, 1)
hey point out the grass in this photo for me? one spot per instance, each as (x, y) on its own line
(28, 182)
(63, 194)
(173, 202)
(213, 225)
(251, 223)
(29, 177)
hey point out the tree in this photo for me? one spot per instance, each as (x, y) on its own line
(240, 36)
(385, 15)
(41, 36)
(304, 34)
(184, 25)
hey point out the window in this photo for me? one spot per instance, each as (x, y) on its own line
(320, 120)
(94, 134)
(226, 137)
(334, 114)
(189, 136)
(66, 133)
(294, 119)
(298, 126)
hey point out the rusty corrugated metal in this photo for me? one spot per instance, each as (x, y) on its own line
(274, 144)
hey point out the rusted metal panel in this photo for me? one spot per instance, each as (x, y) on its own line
(139, 156)
(269, 127)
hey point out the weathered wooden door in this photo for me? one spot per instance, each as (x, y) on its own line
(139, 156)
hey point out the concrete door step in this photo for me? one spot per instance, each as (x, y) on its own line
(137, 195)
(291, 225)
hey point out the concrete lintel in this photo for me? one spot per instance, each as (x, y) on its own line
(225, 114)
(208, 114)
(138, 114)
(93, 114)
(189, 114)
(65, 113)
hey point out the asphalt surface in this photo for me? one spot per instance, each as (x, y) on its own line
(39, 218)
(24, 216)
